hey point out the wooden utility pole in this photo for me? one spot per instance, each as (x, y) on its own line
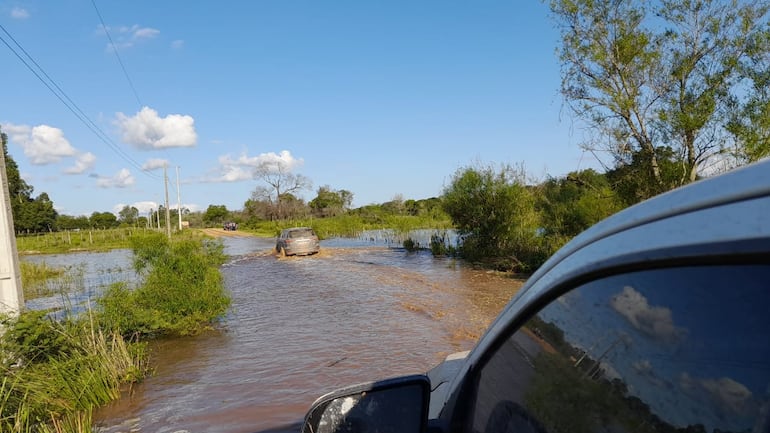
(168, 211)
(11, 295)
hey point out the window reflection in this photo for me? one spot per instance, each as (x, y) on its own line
(671, 350)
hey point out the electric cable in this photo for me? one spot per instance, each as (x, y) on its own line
(115, 49)
(69, 103)
(122, 65)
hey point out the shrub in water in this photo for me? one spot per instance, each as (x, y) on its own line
(439, 245)
(182, 292)
(410, 245)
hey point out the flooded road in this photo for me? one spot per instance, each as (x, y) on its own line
(302, 326)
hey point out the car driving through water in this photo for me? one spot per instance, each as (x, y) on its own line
(297, 241)
(654, 320)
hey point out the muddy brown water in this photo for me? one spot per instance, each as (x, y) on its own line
(302, 326)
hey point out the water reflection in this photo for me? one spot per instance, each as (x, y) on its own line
(394, 239)
(671, 350)
(86, 275)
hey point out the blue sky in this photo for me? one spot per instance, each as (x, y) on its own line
(380, 98)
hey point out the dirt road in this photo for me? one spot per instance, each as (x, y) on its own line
(218, 233)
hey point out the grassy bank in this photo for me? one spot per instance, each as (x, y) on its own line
(56, 369)
(86, 240)
(347, 225)
(352, 225)
(55, 372)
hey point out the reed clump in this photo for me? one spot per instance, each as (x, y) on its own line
(55, 372)
(35, 278)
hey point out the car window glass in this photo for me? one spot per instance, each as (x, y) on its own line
(669, 350)
(300, 233)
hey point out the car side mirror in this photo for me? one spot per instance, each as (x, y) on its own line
(393, 405)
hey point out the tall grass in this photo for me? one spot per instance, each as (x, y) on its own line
(55, 372)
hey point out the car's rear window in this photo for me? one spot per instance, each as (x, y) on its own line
(301, 233)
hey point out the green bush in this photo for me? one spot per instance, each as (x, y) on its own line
(32, 338)
(182, 292)
(494, 213)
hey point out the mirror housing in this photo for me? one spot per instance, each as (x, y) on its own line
(392, 405)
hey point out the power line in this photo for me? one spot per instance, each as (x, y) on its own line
(115, 49)
(120, 61)
(62, 96)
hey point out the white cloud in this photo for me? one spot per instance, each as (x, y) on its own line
(127, 36)
(144, 32)
(154, 164)
(283, 161)
(83, 162)
(728, 396)
(42, 144)
(235, 174)
(122, 179)
(18, 13)
(643, 368)
(146, 130)
(243, 167)
(177, 44)
(144, 207)
(656, 322)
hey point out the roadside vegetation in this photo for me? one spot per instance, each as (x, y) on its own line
(58, 366)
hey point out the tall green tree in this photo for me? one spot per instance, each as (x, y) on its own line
(632, 182)
(573, 203)
(20, 192)
(103, 220)
(329, 202)
(128, 215)
(750, 121)
(645, 75)
(29, 214)
(68, 222)
(215, 214)
(494, 214)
